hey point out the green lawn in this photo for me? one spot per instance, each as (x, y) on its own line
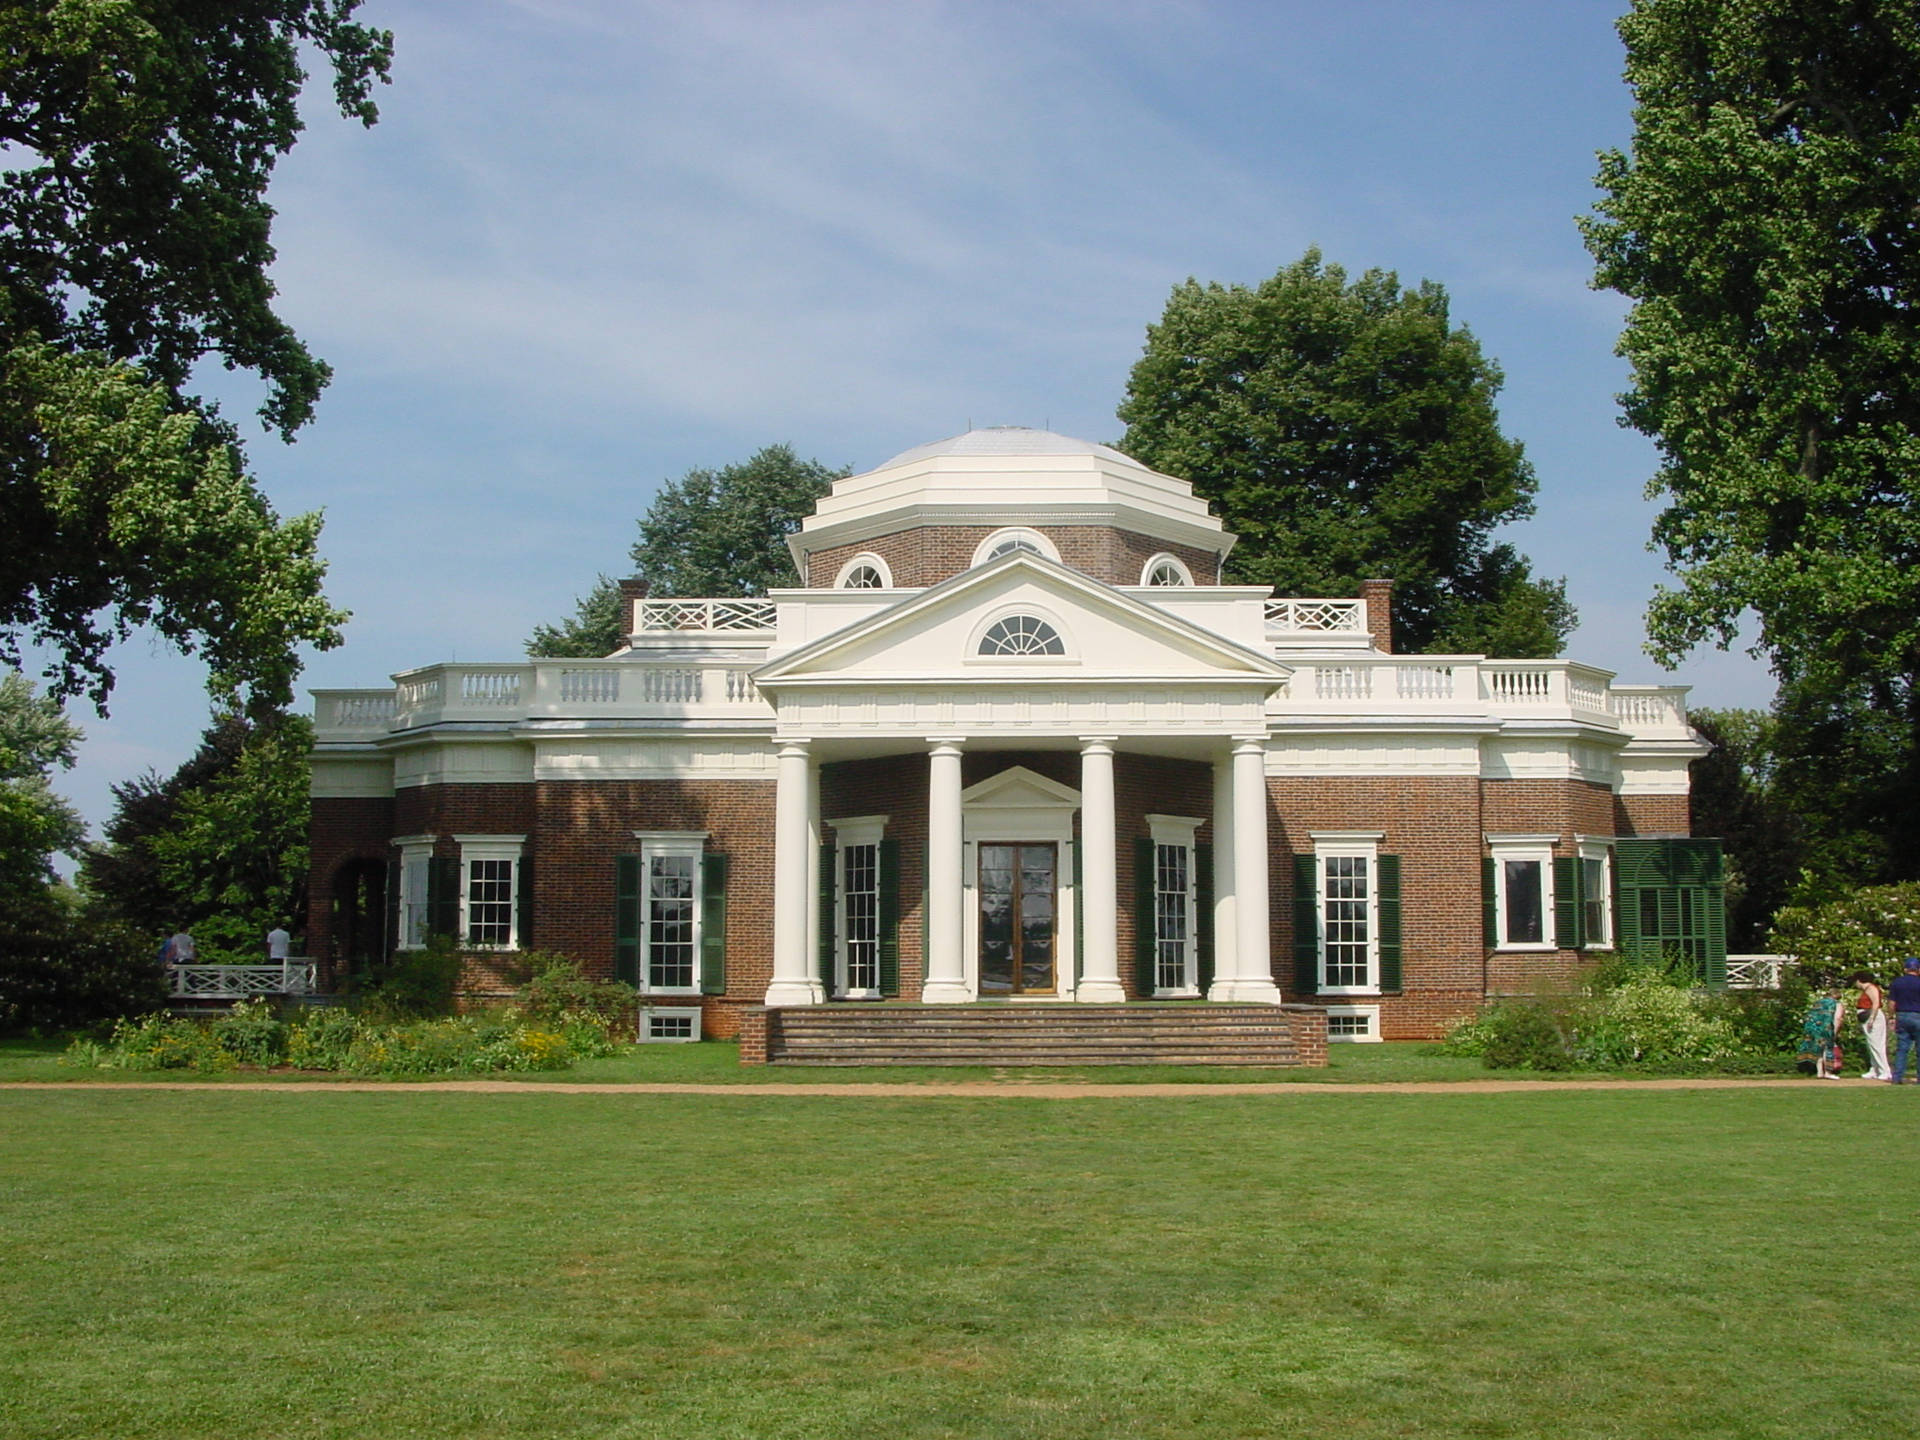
(201, 1262)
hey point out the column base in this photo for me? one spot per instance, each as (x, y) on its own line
(945, 992)
(1100, 992)
(795, 992)
(1245, 992)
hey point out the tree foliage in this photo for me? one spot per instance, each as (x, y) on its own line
(219, 846)
(1346, 430)
(711, 532)
(35, 824)
(1765, 226)
(1873, 928)
(139, 138)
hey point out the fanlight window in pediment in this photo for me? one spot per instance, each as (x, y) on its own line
(1022, 635)
(864, 572)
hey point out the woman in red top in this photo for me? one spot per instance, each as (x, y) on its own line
(1871, 1010)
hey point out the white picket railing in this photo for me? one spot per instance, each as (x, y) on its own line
(1756, 972)
(756, 614)
(237, 982)
(1320, 617)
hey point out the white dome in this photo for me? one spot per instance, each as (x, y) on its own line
(1007, 440)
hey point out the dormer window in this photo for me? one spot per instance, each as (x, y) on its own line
(1021, 635)
(864, 572)
(1005, 542)
(1164, 569)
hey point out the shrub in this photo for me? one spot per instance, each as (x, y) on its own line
(1650, 1021)
(155, 1042)
(595, 1016)
(252, 1034)
(1872, 929)
(416, 984)
(320, 1038)
(67, 973)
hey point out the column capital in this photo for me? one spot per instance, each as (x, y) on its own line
(1096, 743)
(945, 744)
(792, 744)
(1249, 744)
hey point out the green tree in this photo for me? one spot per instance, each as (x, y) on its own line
(1737, 796)
(1345, 431)
(139, 138)
(219, 846)
(35, 824)
(1763, 224)
(711, 532)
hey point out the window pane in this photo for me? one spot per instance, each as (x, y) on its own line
(1171, 889)
(413, 889)
(670, 956)
(1348, 942)
(1593, 881)
(1526, 903)
(860, 892)
(489, 902)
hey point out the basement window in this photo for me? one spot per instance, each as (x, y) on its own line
(662, 1025)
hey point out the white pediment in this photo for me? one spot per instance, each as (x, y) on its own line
(1018, 788)
(936, 636)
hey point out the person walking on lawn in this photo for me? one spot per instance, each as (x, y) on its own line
(1871, 1010)
(1905, 994)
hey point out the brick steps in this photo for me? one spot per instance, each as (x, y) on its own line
(1030, 1034)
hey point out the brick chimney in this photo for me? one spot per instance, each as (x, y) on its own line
(1378, 597)
(633, 589)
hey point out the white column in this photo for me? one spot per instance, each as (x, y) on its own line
(813, 881)
(794, 982)
(1253, 934)
(1099, 875)
(946, 982)
(1226, 939)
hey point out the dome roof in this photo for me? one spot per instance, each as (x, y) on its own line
(1007, 440)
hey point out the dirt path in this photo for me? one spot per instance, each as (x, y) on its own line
(999, 1089)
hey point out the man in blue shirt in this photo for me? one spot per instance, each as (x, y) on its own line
(1905, 994)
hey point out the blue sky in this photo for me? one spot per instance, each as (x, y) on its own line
(594, 243)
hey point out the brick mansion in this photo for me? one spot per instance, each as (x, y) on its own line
(1012, 739)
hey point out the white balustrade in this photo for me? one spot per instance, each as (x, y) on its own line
(660, 685)
(1337, 617)
(371, 710)
(754, 614)
(1423, 682)
(1645, 709)
(740, 688)
(415, 695)
(1531, 685)
(1343, 682)
(590, 687)
(1587, 693)
(490, 687)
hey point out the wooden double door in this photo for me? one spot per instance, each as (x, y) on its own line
(1019, 890)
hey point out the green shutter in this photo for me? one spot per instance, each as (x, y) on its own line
(1388, 899)
(713, 924)
(1145, 929)
(1566, 902)
(889, 881)
(626, 919)
(1673, 901)
(1489, 904)
(828, 945)
(443, 896)
(393, 906)
(1079, 918)
(1203, 914)
(523, 901)
(1306, 925)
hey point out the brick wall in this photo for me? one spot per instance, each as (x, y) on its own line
(580, 826)
(342, 831)
(894, 786)
(1433, 823)
(1653, 814)
(928, 554)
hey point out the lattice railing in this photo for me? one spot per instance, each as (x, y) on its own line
(1756, 972)
(756, 614)
(237, 982)
(1322, 617)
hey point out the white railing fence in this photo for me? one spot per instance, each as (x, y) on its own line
(706, 615)
(1756, 972)
(1341, 617)
(238, 982)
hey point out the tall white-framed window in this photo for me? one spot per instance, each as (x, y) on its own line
(856, 910)
(490, 890)
(1176, 917)
(865, 571)
(416, 855)
(1165, 569)
(1014, 537)
(1348, 901)
(1522, 891)
(1596, 892)
(670, 902)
